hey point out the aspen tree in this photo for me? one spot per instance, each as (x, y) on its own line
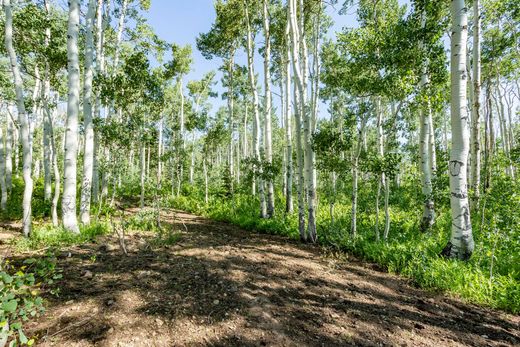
(22, 119)
(88, 154)
(68, 204)
(461, 243)
(268, 106)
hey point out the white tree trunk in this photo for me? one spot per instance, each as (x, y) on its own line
(120, 29)
(68, 204)
(3, 187)
(306, 115)
(47, 160)
(22, 119)
(256, 124)
(9, 154)
(426, 149)
(288, 130)
(380, 151)
(299, 96)
(461, 244)
(205, 167)
(35, 107)
(100, 67)
(192, 163)
(268, 106)
(355, 170)
(159, 151)
(88, 154)
(475, 109)
(428, 217)
(231, 120)
(142, 154)
(57, 177)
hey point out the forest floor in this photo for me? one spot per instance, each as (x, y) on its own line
(222, 286)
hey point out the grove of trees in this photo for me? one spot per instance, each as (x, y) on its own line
(396, 139)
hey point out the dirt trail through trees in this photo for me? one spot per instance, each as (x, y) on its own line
(222, 286)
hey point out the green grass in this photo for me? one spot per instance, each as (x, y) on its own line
(47, 236)
(407, 252)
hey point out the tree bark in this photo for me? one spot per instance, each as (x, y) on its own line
(355, 169)
(88, 154)
(57, 178)
(22, 118)
(3, 187)
(298, 111)
(267, 107)
(288, 130)
(68, 204)
(256, 124)
(461, 244)
(9, 154)
(475, 108)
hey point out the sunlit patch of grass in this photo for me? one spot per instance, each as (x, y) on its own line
(48, 236)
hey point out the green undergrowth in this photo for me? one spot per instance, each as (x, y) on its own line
(48, 236)
(491, 277)
(147, 220)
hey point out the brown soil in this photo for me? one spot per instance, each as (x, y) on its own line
(222, 286)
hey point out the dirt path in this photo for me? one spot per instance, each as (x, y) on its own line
(221, 286)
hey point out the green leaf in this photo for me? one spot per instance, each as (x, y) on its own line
(6, 278)
(23, 338)
(10, 306)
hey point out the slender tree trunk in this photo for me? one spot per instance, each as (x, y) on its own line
(387, 208)
(231, 108)
(22, 119)
(380, 150)
(9, 154)
(100, 67)
(310, 172)
(57, 177)
(426, 149)
(3, 187)
(192, 164)
(205, 168)
(256, 127)
(47, 160)
(355, 170)
(461, 244)
(33, 117)
(312, 118)
(159, 151)
(68, 204)
(267, 107)
(180, 165)
(504, 131)
(288, 130)
(299, 105)
(428, 217)
(475, 109)
(88, 155)
(143, 169)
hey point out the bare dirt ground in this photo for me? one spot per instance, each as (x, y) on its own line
(222, 286)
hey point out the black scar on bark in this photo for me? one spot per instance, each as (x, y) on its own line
(455, 167)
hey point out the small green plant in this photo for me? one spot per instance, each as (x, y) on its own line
(20, 296)
(144, 220)
(165, 238)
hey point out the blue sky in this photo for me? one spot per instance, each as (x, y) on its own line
(181, 21)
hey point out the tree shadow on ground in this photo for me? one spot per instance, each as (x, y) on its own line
(221, 286)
